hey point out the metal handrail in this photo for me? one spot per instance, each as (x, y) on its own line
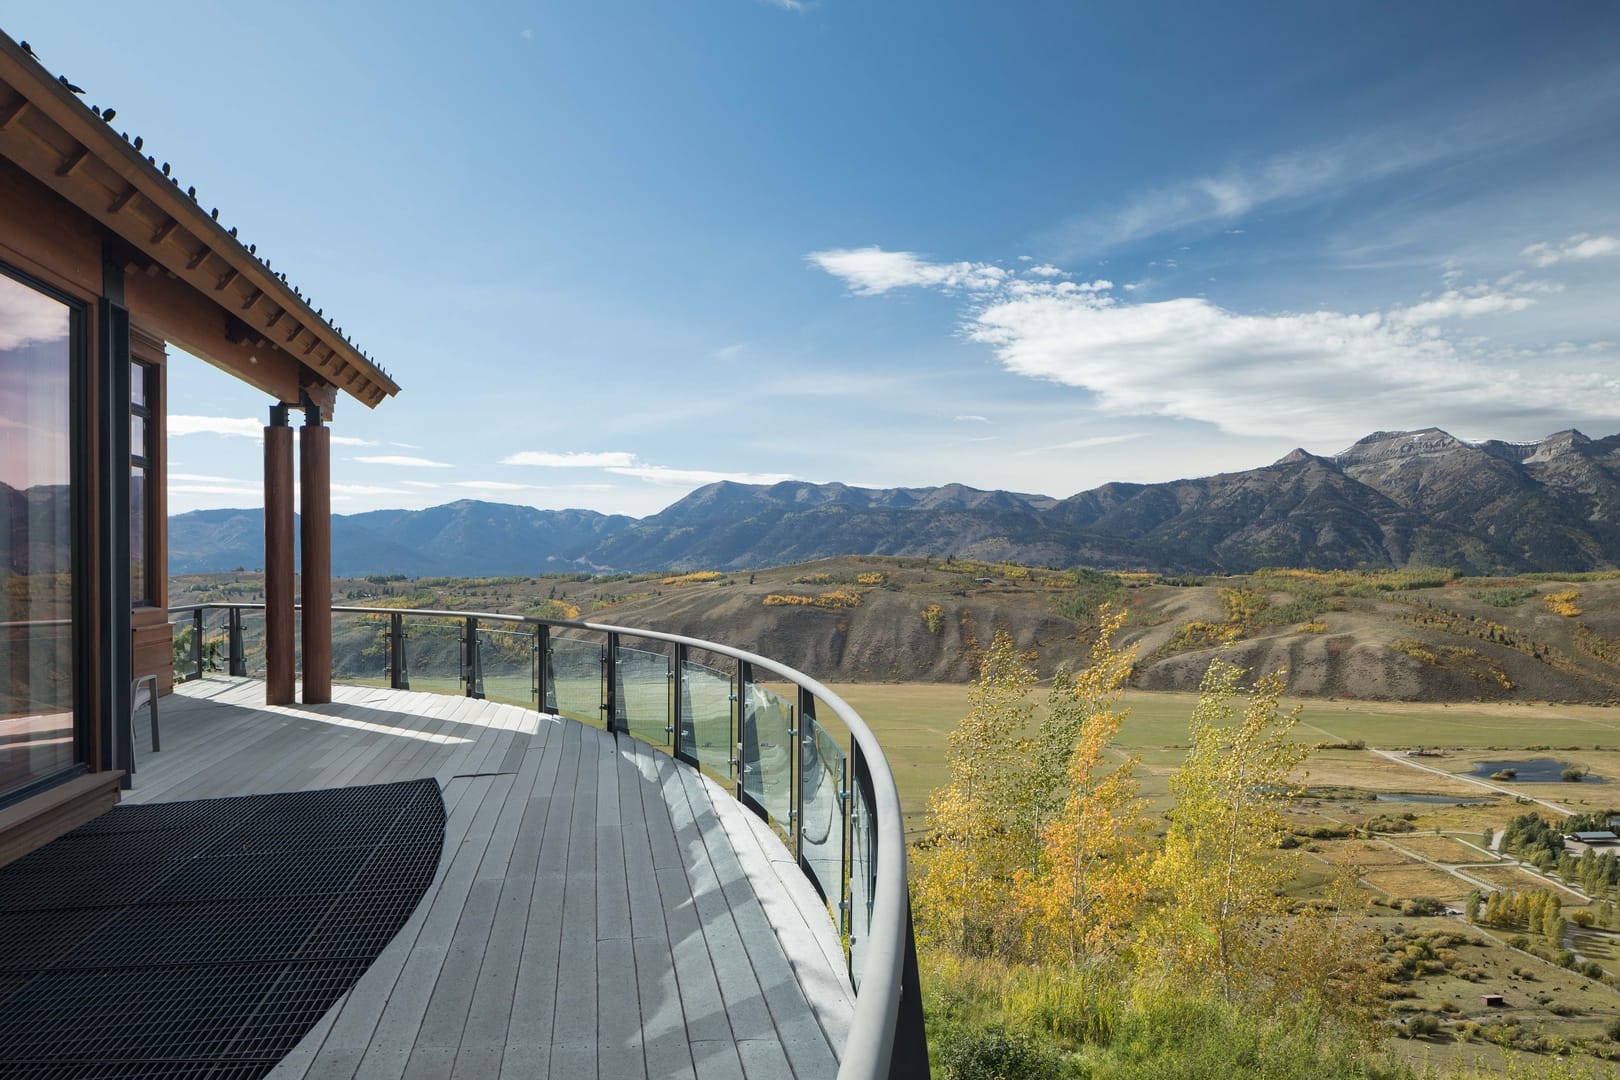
(888, 976)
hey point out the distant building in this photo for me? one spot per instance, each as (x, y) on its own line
(1493, 1001)
(1589, 838)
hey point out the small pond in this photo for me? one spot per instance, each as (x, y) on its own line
(1533, 771)
(1437, 800)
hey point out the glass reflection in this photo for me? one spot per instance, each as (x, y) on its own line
(36, 536)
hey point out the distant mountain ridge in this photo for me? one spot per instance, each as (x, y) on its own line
(1392, 498)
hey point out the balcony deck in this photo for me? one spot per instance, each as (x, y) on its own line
(599, 910)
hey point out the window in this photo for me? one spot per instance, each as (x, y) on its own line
(142, 396)
(39, 353)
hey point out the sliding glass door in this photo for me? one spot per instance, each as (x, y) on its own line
(38, 339)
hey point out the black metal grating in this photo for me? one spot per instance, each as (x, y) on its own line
(204, 939)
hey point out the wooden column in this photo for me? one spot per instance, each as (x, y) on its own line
(315, 549)
(278, 559)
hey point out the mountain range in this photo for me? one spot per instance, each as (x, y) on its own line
(1391, 499)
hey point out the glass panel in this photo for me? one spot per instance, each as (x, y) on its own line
(137, 383)
(767, 752)
(574, 679)
(642, 696)
(36, 536)
(360, 649)
(433, 654)
(139, 590)
(705, 717)
(821, 812)
(862, 865)
(137, 437)
(253, 643)
(506, 658)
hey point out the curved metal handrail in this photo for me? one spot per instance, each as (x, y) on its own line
(889, 952)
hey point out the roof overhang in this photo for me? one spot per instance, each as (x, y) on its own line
(46, 130)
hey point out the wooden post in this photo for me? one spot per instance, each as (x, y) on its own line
(278, 559)
(315, 549)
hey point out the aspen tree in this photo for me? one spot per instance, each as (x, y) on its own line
(1220, 873)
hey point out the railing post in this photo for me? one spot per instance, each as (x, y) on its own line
(398, 678)
(197, 644)
(677, 692)
(747, 733)
(233, 633)
(471, 669)
(610, 683)
(806, 730)
(542, 665)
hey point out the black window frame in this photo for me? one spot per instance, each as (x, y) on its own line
(80, 482)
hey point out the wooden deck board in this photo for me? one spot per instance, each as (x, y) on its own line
(599, 909)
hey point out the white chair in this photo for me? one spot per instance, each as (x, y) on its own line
(143, 691)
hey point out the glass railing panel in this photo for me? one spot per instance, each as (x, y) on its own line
(359, 649)
(433, 654)
(574, 679)
(767, 752)
(253, 643)
(821, 810)
(705, 717)
(862, 871)
(641, 697)
(506, 661)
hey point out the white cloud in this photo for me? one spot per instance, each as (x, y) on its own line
(971, 419)
(28, 317)
(570, 460)
(1273, 375)
(350, 440)
(871, 271)
(489, 485)
(1458, 304)
(427, 484)
(216, 489)
(199, 478)
(1045, 270)
(1088, 443)
(667, 477)
(366, 489)
(403, 462)
(1219, 201)
(1289, 374)
(1581, 246)
(243, 426)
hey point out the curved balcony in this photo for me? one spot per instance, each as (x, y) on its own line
(743, 739)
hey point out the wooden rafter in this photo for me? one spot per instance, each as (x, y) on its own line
(72, 161)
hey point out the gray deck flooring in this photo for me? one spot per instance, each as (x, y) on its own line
(599, 910)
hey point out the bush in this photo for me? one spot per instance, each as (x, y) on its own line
(994, 1053)
(1421, 1026)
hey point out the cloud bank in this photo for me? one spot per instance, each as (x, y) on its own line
(1291, 374)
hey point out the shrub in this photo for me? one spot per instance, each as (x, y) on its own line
(694, 578)
(1562, 603)
(994, 1053)
(1421, 1026)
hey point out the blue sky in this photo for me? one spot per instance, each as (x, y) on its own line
(612, 251)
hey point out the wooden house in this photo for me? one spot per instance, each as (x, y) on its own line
(106, 257)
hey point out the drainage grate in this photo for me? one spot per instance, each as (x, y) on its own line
(204, 939)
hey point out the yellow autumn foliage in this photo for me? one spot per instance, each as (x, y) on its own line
(1562, 603)
(694, 578)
